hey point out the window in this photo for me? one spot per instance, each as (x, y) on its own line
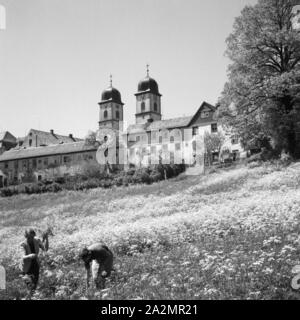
(39, 178)
(137, 138)
(46, 161)
(143, 107)
(235, 155)
(214, 128)
(16, 165)
(105, 114)
(160, 139)
(195, 131)
(172, 139)
(33, 163)
(40, 161)
(205, 114)
(6, 165)
(234, 140)
(177, 146)
(215, 156)
(132, 152)
(117, 114)
(67, 159)
(155, 107)
(30, 142)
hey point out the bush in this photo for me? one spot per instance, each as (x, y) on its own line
(100, 180)
(142, 176)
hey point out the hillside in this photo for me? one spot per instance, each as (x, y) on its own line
(233, 234)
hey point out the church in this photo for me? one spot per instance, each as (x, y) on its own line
(150, 140)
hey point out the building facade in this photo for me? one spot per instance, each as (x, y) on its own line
(151, 140)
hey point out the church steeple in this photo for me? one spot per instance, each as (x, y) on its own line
(111, 108)
(148, 100)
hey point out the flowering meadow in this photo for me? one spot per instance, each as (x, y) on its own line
(231, 234)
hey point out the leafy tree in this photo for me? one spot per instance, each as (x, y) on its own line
(91, 139)
(261, 98)
(213, 142)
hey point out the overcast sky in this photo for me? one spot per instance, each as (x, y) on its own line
(56, 57)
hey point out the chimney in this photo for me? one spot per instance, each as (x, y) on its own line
(52, 131)
(71, 136)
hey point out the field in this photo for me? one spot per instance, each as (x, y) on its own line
(232, 234)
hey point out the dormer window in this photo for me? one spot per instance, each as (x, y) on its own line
(117, 114)
(143, 107)
(155, 107)
(105, 114)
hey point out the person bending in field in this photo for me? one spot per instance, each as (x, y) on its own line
(102, 263)
(30, 262)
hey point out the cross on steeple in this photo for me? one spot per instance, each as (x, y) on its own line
(147, 69)
(110, 77)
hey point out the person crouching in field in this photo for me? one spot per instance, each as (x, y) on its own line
(30, 262)
(102, 263)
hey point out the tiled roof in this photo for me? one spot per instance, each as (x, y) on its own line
(46, 151)
(159, 125)
(47, 138)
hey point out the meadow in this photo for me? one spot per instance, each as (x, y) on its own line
(232, 234)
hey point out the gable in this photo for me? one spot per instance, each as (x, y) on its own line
(7, 137)
(205, 114)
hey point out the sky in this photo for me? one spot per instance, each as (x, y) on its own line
(56, 57)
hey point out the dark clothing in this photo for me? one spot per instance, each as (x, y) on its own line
(33, 267)
(31, 245)
(102, 263)
(34, 273)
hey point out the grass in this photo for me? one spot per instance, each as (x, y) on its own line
(233, 234)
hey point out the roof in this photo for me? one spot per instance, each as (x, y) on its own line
(7, 136)
(58, 149)
(48, 138)
(148, 85)
(2, 135)
(111, 94)
(160, 125)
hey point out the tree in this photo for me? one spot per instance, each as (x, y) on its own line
(213, 143)
(91, 139)
(261, 99)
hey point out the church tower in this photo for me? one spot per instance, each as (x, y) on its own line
(111, 109)
(148, 100)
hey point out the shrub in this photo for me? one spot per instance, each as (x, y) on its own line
(142, 175)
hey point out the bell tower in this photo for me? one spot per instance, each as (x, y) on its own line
(148, 100)
(111, 109)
